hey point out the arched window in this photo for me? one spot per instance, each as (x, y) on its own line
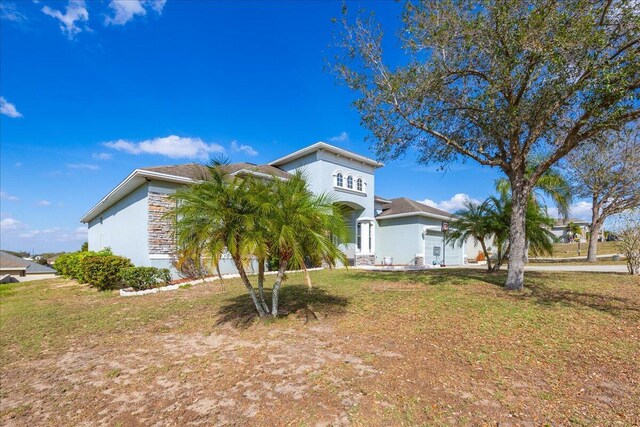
(339, 179)
(359, 184)
(350, 182)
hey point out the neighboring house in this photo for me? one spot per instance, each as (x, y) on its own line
(132, 221)
(561, 229)
(16, 269)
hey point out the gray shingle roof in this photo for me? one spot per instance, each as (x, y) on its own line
(197, 171)
(402, 205)
(8, 261)
(564, 223)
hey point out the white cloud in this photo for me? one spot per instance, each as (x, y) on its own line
(10, 224)
(44, 203)
(172, 146)
(6, 196)
(247, 149)
(453, 204)
(76, 11)
(8, 109)
(343, 137)
(579, 210)
(9, 12)
(126, 10)
(83, 166)
(102, 156)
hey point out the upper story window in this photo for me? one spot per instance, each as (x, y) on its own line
(348, 181)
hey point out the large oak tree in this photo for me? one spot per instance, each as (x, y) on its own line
(499, 82)
(606, 170)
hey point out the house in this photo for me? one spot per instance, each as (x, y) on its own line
(16, 269)
(132, 220)
(561, 230)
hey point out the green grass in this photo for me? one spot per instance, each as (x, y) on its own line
(456, 330)
(566, 250)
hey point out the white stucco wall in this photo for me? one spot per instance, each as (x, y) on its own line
(123, 228)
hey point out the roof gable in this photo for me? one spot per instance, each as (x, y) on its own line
(403, 206)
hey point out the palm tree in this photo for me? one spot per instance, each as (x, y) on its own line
(537, 227)
(551, 184)
(217, 216)
(574, 230)
(299, 225)
(472, 222)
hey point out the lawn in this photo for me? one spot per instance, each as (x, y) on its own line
(389, 348)
(566, 250)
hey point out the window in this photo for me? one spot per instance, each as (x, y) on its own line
(359, 184)
(358, 236)
(371, 237)
(350, 182)
(339, 179)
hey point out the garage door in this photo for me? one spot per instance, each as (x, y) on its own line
(434, 251)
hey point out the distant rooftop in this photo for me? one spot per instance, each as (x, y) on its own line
(12, 262)
(564, 223)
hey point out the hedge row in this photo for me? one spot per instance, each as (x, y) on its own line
(70, 265)
(105, 271)
(141, 278)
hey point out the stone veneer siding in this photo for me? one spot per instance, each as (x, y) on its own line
(365, 259)
(161, 236)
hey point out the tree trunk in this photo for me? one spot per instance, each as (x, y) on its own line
(483, 245)
(593, 242)
(275, 293)
(263, 302)
(517, 236)
(307, 277)
(247, 284)
(595, 230)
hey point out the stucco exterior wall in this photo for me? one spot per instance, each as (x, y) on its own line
(399, 238)
(402, 238)
(123, 228)
(321, 169)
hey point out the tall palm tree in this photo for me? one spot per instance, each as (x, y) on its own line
(472, 221)
(218, 216)
(551, 184)
(300, 224)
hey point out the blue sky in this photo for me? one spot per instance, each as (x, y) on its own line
(92, 90)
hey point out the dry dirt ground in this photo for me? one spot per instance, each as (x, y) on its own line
(424, 348)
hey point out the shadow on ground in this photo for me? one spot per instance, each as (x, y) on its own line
(542, 288)
(294, 299)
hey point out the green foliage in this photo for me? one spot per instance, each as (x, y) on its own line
(243, 217)
(104, 271)
(70, 265)
(513, 85)
(492, 220)
(84, 247)
(140, 278)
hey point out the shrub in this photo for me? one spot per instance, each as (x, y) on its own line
(70, 265)
(140, 278)
(103, 271)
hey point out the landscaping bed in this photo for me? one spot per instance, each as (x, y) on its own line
(435, 347)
